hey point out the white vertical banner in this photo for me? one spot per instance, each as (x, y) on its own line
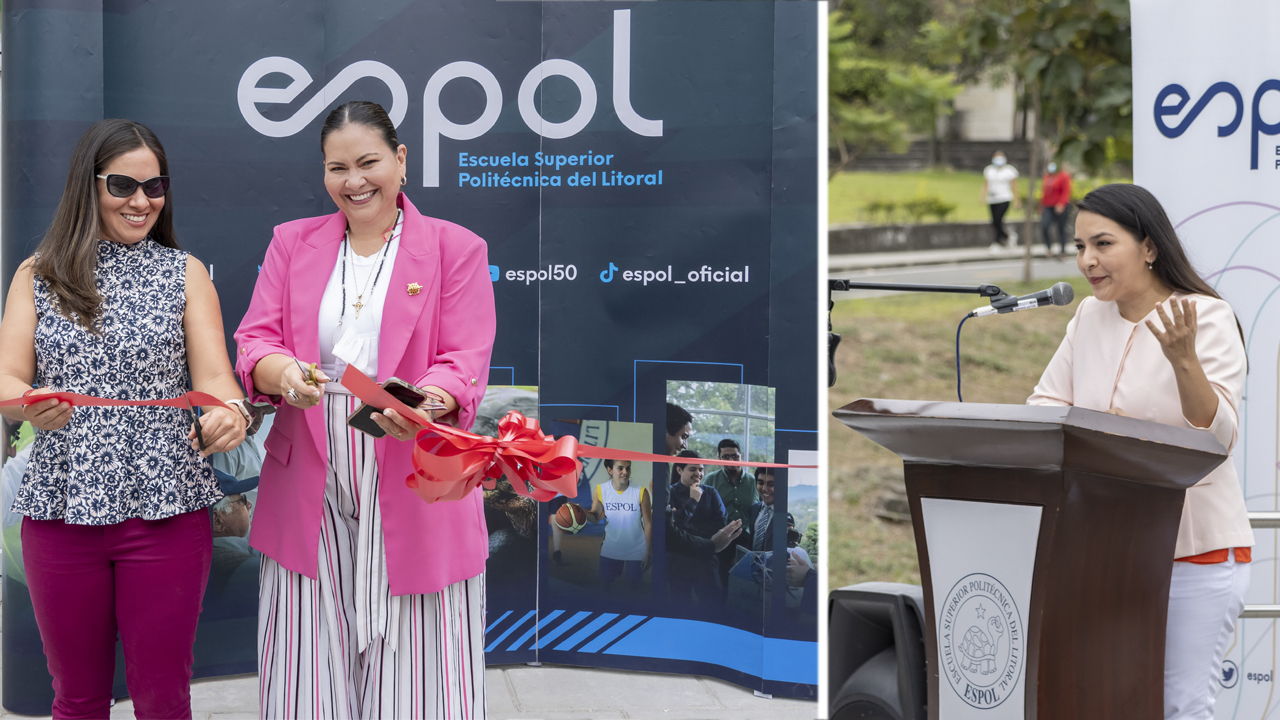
(982, 557)
(1206, 126)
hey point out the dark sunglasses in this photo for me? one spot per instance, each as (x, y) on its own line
(123, 186)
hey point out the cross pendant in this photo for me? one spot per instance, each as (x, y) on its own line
(357, 305)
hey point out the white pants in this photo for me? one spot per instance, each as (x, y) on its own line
(1204, 603)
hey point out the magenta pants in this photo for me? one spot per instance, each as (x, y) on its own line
(142, 578)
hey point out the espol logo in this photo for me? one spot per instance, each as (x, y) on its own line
(434, 123)
(1259, 677)
(705, 274)
(980, 641)
(1257, 125)
(550, 272)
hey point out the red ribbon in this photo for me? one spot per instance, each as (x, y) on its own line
(185, 401)
(449, 463)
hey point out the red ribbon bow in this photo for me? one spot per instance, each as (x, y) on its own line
(448, 463)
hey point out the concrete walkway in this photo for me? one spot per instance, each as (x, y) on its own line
(520, 692)
(546, 693)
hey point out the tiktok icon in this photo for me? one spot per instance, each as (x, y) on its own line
(607, 275)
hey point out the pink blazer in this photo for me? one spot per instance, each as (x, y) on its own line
(441, 336)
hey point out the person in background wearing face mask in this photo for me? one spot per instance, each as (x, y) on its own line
(998, 190)
(1054, 202)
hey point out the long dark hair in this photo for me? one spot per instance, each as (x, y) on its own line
(361, 112)
(677, 467)
(67, 258)
(1135, 209)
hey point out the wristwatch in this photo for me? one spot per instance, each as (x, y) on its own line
(252, 415)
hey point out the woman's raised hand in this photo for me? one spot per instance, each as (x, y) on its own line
(1178, 341)
(47, 415)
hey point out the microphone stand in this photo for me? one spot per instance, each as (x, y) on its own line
(834, 285)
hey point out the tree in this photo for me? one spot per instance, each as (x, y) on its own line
(810, 541)
(1073, 61)
(1072, 57)
(877, 95)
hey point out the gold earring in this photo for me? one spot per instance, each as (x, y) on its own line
(404, 179)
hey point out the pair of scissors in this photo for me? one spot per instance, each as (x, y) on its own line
(195, 422)
(309, 372)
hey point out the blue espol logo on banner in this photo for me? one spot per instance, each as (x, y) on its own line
(1257, 126)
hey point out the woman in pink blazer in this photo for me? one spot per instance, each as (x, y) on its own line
(372, 601)
(1157, 343)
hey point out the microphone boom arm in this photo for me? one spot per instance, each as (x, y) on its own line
(841, 285)
(990, 291)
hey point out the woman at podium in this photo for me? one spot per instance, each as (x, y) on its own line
(1156, 342)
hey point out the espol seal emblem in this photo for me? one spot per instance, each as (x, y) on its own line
(981, 640)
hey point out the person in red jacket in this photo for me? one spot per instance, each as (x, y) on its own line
(1055, 200)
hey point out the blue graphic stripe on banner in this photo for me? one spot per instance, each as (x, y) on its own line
(585, 632)
(778, 430)
(769, 658)
(608, 636)
(495, 624)
(617, 412)
(635, 375)
(560, 630)
(513, 375)
(511, 629)
(537, 626)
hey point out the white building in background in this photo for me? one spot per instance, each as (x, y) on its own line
(985, 111)
(986, 119)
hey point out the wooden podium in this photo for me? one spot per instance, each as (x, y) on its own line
(1046, 538)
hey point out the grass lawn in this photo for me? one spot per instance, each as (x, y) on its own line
(903, 347)
(849, 192)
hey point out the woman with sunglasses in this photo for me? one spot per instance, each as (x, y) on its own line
(116, 535)
(372, 601)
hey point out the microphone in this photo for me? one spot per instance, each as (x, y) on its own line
(1060, 294)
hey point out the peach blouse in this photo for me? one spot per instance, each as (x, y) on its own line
(1107, 362)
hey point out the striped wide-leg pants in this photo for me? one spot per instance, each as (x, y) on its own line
(342, 646)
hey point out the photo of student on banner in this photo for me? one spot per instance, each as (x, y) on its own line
(511, 518)
(233, 576)
(726, 421)
(751, 575)
(601, 540)
(698, 511)
(512, 522)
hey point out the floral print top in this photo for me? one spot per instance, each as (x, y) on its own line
(110, 464)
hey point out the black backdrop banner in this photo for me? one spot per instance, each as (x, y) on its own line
(645, 175)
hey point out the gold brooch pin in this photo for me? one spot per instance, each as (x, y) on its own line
(414, 288)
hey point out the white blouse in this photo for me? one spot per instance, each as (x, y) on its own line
(361, 333)
(1107, 362)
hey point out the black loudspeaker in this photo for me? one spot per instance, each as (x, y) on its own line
(876, 657)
